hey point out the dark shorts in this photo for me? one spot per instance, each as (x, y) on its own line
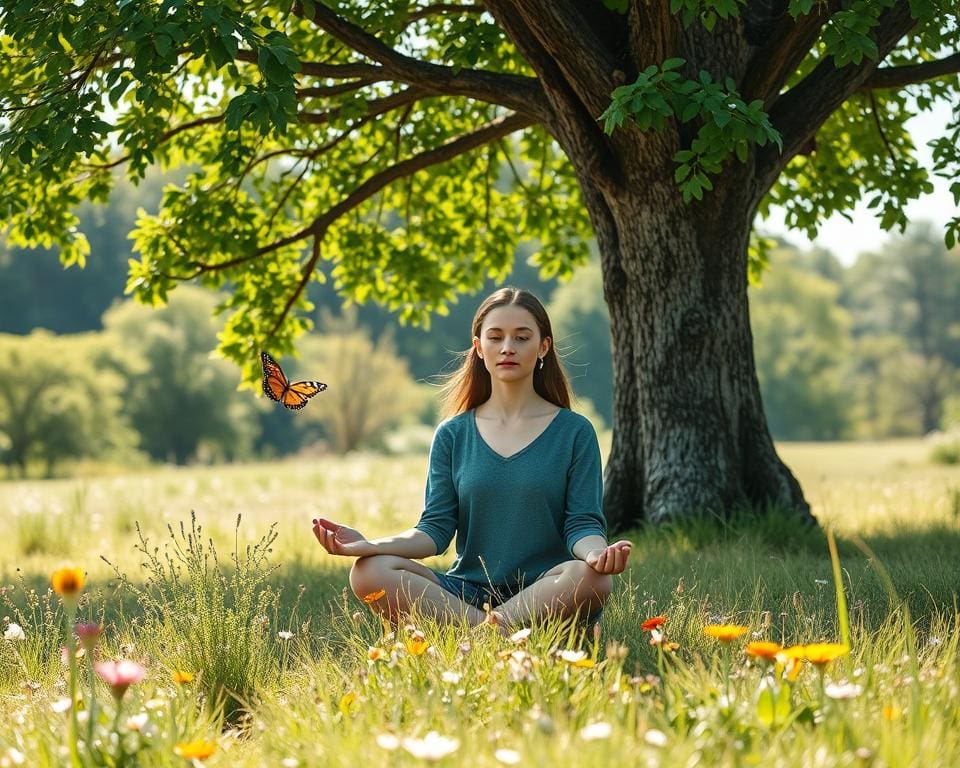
(473, 593)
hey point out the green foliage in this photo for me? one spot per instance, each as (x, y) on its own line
(182, 402)
(208, 617)
(54, 404)
(581, 326)
(727, 124)
(946, 448)
(370, 388)
(801, 342)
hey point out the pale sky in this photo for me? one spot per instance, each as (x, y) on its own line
(847, 239)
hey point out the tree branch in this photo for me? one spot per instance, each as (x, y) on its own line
(799, 113)
(492, 131)
(521, 94)
(911, 74)
(780, 55)
(564, 34)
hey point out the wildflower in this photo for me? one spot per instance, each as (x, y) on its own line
(136, 722)
(507, 756)
(655, 738)
(821, 582)
(792, 658)
(433, 746)
(653, 623)
(195, 750)
(375, 654)
(284, 634)
(576, 658)
(182, 678)
(890, 712)
(13, 756)
(348, 702)
(657, 639)
(820, 654)
(14, 632)
(88, 634)
(763, 650)
(289, 762)
(374, 596)
(450, 676)
(61, 705)
(845, 691)
(520, 635)
(120, 675)
(388, 741)
(595, 731)
(67, 582)
(725, 632)
(416, 646)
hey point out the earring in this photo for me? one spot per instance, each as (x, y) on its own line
(541, 363)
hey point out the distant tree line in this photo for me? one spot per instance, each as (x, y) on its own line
(866, 351)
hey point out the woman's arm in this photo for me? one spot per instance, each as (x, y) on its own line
(349, 542)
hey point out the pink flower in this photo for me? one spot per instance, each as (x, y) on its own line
(120, 675)
(88, 635)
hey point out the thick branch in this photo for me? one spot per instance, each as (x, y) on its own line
(799, 113)
(521, 94)
(910, 74)
(568, 38)
(778, 58)
(654, 33)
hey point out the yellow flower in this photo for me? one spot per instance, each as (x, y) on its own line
(725, 632)
(820, 654)
(67, 582)
(417, 646)
(182, 677)
(348, 702)
(195, 750)
(890, 712)
(374, 596)
(763, 650)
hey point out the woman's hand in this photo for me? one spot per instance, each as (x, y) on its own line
(612, 559)
(340, 540)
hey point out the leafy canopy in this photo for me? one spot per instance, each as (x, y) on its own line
(394, 147)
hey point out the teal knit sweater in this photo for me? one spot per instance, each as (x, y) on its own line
(514, 517)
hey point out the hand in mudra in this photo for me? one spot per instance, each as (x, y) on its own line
(612, 559)
(341, 540)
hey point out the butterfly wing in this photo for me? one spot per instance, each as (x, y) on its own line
(275, 384)
(300, 392)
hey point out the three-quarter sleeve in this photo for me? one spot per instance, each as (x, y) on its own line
(440, 510)
(584, 509)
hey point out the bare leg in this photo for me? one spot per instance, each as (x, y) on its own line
(406, 584)
(561, 592)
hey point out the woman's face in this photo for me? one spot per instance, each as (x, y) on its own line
(509, 343)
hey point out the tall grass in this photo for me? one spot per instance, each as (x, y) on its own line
(337, 688)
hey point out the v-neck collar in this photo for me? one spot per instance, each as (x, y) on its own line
(524, 449)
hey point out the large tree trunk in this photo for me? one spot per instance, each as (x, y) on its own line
(689, 432)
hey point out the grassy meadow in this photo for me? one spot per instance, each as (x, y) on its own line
(254, 655)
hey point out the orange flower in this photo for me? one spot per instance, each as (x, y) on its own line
(67, 582)
(792, 658)
(890, 712)
(653, 623)
(180, 678)
(374, 596)
(763, 650)
(820, 654)
(725, 632)
(375, 653)
(195, 750)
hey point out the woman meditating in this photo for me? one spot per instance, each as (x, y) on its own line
(515, 475)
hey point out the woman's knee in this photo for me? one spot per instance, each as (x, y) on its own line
(368, 574)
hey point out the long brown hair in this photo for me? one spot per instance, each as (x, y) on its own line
(470, 385)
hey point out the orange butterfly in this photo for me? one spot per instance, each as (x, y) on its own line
(276, 386)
